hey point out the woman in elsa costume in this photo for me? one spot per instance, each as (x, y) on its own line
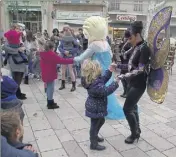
(95, 30)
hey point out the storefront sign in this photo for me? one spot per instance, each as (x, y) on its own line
(75, 15)
(126, 18)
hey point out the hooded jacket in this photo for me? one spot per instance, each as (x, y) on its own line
(96, 103)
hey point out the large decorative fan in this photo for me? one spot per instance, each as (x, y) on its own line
(159, 43)
(159, 37)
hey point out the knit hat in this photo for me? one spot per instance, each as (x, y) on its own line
(8, 86)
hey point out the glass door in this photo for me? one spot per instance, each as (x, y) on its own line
(34, 27)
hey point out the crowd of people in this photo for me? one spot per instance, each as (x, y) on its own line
(44, 56)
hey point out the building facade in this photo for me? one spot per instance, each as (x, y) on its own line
(38, 15)
(75, 12)
(122, 12)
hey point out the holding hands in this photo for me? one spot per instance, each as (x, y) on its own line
(113, 67)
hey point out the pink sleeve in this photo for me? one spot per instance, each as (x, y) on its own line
(58, 60)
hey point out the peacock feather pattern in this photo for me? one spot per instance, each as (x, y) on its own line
(158, 79)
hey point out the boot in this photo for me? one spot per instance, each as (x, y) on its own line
(20, 95)
(62, 85)
(51, 104)
(132, 121)
(26, 80)
(100, 139)
(73, 87)
(137, 118)
(95, 146)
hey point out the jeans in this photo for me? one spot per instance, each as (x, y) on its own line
(78, 70)
(50, 90)
(96, 125)
(131, 109)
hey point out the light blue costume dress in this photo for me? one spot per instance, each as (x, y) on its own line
(101, 52)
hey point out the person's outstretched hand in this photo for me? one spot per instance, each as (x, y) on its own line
(113, 67)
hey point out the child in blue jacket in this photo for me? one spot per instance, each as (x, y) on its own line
(96, 103)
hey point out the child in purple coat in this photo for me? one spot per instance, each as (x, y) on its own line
(96, 103)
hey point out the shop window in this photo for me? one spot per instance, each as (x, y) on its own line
(138, 5)
(31, 19)
(114, 4)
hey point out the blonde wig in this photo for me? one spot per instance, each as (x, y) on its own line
(91, 70)
(95, 28)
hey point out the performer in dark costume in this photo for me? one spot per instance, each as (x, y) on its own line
(144, 71)
(125, 52)
(137, 78)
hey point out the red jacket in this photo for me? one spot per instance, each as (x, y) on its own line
(48, 64)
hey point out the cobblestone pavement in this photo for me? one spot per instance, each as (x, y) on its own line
(65, 132)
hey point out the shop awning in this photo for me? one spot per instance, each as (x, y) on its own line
(78, 22)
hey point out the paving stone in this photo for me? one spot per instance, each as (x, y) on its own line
(79, 106)
(144, 146)
(81, 135)
(118, 143)
(49, 143)
(28, 134)
(38, 125)
(161, 119)
(108, 131)
(163, 113)
(135, 152)
(170, 152)
(147, 120)
(43, 133)
(64, 135)
(156, 141)
(35, 114)
(32, 107)
(75, 124)
(172, 124)
(112, 122)
(162, 130)
(108, 152)
(172, 119)
(172, 140)
(117, 126)
(55, 153)
(155, 153)
(124, 131)
(68, 113)
(54, 120)
(73, 149)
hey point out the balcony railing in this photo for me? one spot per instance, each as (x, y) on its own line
(91, 2)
